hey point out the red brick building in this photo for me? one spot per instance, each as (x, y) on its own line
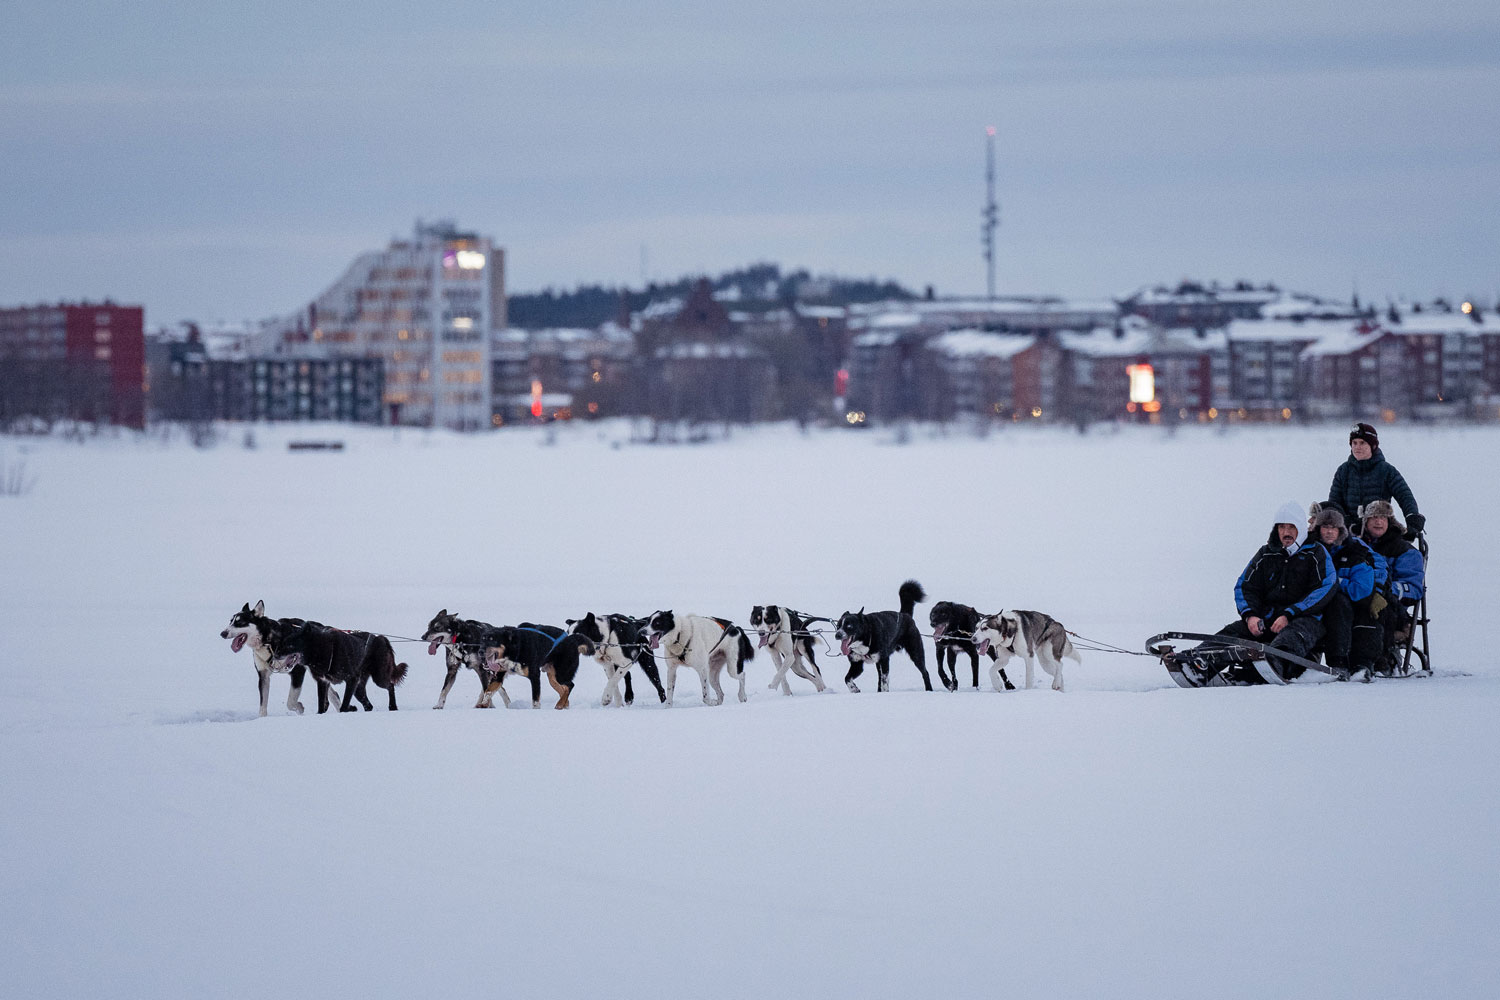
(82, 361)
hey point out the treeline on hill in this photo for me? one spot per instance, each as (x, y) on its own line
(759, 286)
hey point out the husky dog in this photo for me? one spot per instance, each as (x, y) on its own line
(463, 641)
(250, 625)
(619, 644)
(784, 632)
(338, 656)
(1030, 635)
(706, 645)
(953, 628)
(532, 650)
(875, 636)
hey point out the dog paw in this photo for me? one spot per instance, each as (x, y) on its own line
(297, 708)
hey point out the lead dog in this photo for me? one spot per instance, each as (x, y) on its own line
(250, 625)
(953, 628)
(619, 644)
(336, 655)
(706, 645)
(1030, 635)
(875, 636)
(533, 650)
(785, 633)
(464, 641)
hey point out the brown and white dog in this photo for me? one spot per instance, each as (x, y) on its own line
(1030, 635)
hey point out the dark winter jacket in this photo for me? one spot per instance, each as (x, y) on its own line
(1355, 563)
(1275, 583)
(1405, 569)
(1359, 481)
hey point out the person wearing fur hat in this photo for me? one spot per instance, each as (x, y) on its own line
(1280, 595)
(1352, 640)
(1405, 578)
(1366, 476)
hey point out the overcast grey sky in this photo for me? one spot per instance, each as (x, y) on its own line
(228, 163)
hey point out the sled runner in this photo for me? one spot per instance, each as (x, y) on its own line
(1233, 652)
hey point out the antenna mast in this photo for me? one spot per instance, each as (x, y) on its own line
(991, 214)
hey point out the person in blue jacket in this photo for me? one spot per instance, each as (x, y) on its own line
(1365, 476)
(1405, 579)
(1352, 639)
(1280, 595)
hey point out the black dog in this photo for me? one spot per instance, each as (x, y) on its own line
(953, 628)
(531, 650)
(875, 636)
(619, 643)
(338, 657)
(264, 634)
(464, 642)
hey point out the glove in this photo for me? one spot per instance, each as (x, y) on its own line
(1415, 524)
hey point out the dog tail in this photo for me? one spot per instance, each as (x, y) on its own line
(398, 674)
(911, 595)
(747, 649)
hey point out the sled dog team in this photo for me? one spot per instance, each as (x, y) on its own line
(619, 643)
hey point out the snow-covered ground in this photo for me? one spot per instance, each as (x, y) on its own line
(1126, 838)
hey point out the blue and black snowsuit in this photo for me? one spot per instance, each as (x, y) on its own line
(1352, 639)
(1403, 581)
(1357, 482)
(1298, 584)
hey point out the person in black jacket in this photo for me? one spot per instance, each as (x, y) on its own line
(1365, 476)
(1351, 642)
(1280, 596)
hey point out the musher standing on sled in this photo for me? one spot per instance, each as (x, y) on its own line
(1366, 476)
(1280, 595)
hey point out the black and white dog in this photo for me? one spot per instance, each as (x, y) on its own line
(875, 636)
(953, 628)
(347, 657)
(619, 643)
(1030, 635)
(251, 626)
(706, 645)
(464, 642)
(533, 650)
(785, 633)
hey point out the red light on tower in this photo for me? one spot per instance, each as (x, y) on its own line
(536, 398)
(841, 382)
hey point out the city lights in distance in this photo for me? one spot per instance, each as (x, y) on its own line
(463, 323)
(466, 260)
(1142, 383)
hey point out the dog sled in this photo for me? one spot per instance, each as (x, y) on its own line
(1409, 655)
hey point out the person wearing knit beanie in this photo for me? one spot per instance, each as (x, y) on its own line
(1365, 476)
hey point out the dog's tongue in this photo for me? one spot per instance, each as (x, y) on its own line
(239, 641)
(654, 640)
(844, 647)
(763, 637)
(984, 646)
(432, 647)
(937, 631)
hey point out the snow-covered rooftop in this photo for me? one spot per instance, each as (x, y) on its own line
(980, 344)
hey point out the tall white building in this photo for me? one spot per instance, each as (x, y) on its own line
(427, 307)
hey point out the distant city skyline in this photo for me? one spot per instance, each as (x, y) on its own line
(230, 164)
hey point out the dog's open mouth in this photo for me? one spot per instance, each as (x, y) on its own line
(238, 642)
(983, 645)
(432, 647)
(844, 646)
(654, 640)
(938, 630)
(765, 637)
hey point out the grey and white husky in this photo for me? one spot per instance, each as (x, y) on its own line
(1030, 635)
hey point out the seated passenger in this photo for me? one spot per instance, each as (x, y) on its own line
(1280, 595)
(1352, 641)
(1405, 578)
